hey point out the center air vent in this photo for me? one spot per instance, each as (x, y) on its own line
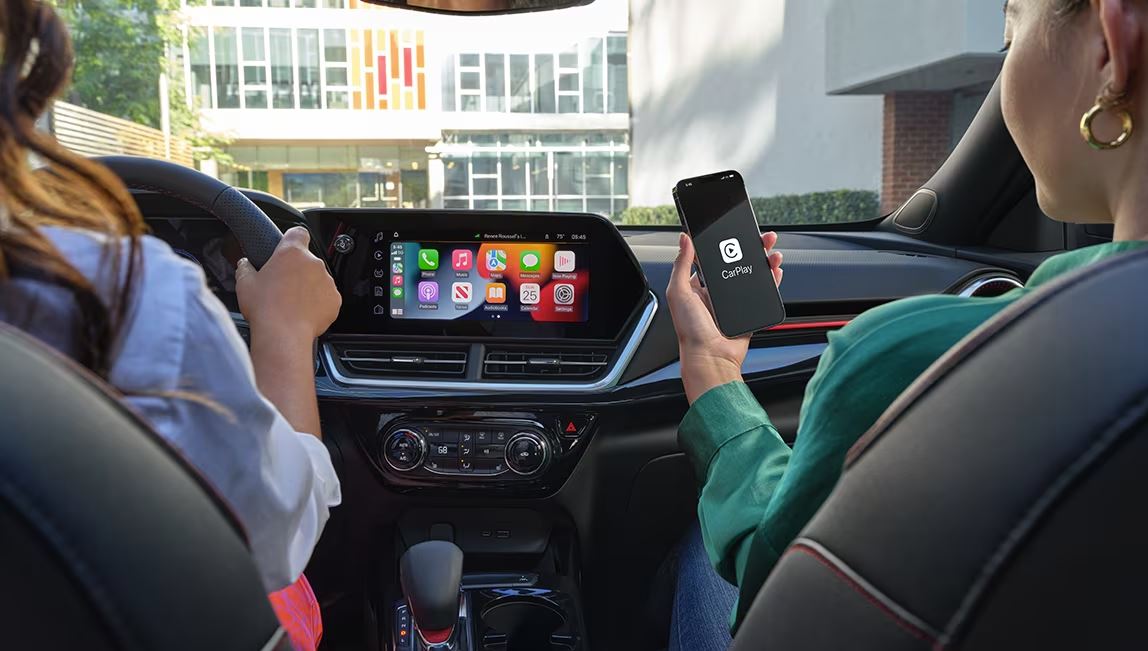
(398, 362)
(546, 364)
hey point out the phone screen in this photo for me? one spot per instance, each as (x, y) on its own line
(716, 211)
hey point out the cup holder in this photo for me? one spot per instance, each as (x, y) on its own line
(527, 622)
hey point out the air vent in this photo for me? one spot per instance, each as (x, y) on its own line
(397, 362)
(546, 364)
(990, 286)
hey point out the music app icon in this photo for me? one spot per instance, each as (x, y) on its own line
(462, 259)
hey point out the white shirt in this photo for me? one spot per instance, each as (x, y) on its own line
(179, 337)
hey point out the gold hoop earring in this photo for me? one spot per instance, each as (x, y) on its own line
(1093, 113)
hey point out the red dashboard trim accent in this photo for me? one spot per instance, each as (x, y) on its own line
(808, 325)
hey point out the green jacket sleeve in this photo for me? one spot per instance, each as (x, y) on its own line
(740, 458)
(757, 493)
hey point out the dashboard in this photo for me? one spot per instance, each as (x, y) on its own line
(512, 378)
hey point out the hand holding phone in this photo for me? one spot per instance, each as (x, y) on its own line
(708, 358)
(718, 216)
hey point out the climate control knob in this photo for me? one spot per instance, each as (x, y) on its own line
(527, 453)
(404, 450)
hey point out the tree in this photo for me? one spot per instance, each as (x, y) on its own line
(121, 49)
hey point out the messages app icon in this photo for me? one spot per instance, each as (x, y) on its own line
(428, 259)
(530, 261)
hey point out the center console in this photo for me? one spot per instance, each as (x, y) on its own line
(479, 304)
(462, 353)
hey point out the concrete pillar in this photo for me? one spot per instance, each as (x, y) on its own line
(436, 181)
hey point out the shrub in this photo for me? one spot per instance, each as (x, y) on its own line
(832, 207)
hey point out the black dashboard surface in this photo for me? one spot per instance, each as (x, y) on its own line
(826, 274)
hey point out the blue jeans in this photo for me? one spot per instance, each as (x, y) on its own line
(702, 601)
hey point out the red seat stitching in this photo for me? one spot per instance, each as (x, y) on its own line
(859, 589)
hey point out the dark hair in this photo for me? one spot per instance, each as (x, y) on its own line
(67, 191)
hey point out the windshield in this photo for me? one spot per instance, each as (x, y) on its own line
(602, 109)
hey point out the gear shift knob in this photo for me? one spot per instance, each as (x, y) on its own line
(430, 574)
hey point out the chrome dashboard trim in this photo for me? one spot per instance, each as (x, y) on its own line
(975, 286)
(472, 386)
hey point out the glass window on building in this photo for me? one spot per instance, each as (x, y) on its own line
(310, 89)
(356, 176)
(575, 172)
(544, 83)
(199, 55)
(520, 83)
(589, 77)
(255, 88)
(282, 69)
(495, 83)
(336, 80)
(617, 73)
(226, 50)
(593, 73)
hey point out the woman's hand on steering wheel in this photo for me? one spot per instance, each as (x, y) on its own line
(292, 295)
(708, 358)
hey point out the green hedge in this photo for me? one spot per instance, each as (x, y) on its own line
(783, 210)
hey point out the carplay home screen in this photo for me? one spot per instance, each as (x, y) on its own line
(485, 281)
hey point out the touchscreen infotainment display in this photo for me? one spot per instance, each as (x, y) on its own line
(544, 282)
(476, 275)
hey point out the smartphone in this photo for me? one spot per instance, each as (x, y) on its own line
(718, 216)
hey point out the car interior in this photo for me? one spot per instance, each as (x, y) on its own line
(516, 483)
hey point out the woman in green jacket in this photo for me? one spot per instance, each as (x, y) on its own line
(1067, 59)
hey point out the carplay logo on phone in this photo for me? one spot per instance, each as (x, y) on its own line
(730, 250)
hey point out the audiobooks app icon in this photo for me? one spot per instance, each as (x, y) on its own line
(496, 293)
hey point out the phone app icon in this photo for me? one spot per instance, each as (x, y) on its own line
(428, 291)
(396, 292)
(396, 267)
(496, 260)
(397, 281)
(428, 259)
(564, 294)
(461, 259)
(530, 261)
(496, 293)
(462, 292)
(730, 250)
(564, 261)
(529, 293)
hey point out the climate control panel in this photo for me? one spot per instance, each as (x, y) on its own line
(458, 450)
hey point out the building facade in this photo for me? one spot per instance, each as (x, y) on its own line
(806, 95)
(338, 103)
(335, 102)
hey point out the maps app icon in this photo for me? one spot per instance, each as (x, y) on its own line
(496, 260)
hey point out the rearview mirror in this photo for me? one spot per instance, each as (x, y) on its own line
(480, 6)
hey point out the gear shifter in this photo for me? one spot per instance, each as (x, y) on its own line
(431, 575)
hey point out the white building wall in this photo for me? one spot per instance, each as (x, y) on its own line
(741, 84)
(879, 46)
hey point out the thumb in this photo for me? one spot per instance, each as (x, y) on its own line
(680, 275)
(244, 271)
(297, 236)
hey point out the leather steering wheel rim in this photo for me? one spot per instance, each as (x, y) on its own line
(256, 233)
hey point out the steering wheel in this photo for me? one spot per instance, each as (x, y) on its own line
(256, 233)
